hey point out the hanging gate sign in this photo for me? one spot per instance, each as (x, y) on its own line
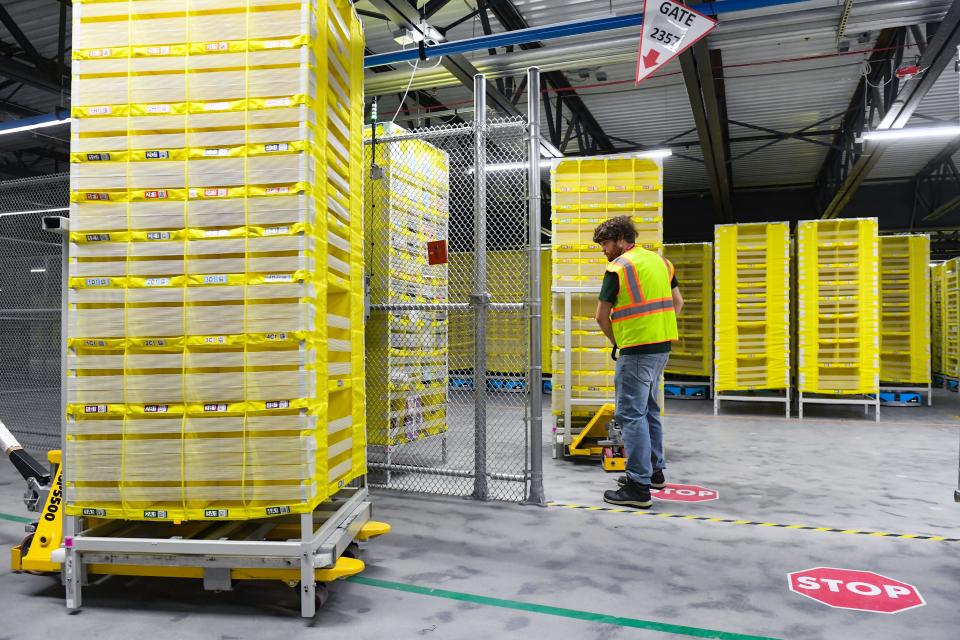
(668, 29)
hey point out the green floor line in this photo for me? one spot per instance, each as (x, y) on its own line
(587, 616)
(13, 518)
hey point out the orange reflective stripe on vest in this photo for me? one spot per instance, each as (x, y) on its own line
(643, 312)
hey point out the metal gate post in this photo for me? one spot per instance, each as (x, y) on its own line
(535, 395)
(480, 298)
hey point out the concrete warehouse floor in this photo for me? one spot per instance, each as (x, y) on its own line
(575, 573)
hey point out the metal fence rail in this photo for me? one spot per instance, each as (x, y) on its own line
(30, 280)
(480, 436)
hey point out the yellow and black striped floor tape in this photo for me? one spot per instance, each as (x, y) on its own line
(797, 527)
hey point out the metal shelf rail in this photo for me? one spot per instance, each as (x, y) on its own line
(838, 313)
(752, 314)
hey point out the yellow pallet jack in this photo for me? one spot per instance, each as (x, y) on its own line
(42, 551)
(601, 438)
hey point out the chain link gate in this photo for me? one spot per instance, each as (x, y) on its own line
(453, 361)
(30, 281)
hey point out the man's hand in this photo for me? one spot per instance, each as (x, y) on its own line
(613, 353)
(603, 319)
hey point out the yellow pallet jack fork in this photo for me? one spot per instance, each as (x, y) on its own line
(42, 550)
(601, 438)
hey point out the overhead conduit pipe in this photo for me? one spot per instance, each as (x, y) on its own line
(559, 30)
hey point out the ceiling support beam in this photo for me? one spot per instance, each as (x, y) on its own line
(936, 187)
(892, 106)
(511, 19)
(407, 16)
(709, 114)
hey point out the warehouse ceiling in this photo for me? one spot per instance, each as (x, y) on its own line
(786, 88)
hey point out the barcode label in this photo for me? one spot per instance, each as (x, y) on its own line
(278, 404)
(96, 157)
(160, 194)
(217, 46)
(97, 513)
(100, 111)
(158, 51)
(97, 237)
(216, 152)
(157, 282)
(215, 513)
(158, 108)
(278, 277)
(215, 408)
(280, 146)
(157, 155)
(154, 513)
(98, 282)
(277, 511)
(276, 231)
(158, 235)
(95, 408)
(278, 102)
(156, 408)
(216, 106)
(216, 233)
(218, 279)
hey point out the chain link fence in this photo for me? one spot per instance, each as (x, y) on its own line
(448, 367)
(30, 281)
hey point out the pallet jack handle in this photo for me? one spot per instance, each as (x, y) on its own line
(27, 465)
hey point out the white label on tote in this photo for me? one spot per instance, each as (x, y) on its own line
(158, 235)
(158, 108)
(278, 277)
(100, 111)
(157, 282)
(154, 513)
(215, 408)
(217, 46)
(216, 233)
(280, 146)
(156, 408)
(276, 44)
(278, 102)
(278, 404)
(276, 231)
(218, 279)
(98, 282)
(216, 106)
(99, 53)
(216, 152)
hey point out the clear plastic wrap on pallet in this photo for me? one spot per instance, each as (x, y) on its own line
(586, 192)
(905, 309)
(752, 307)
(215, 324)
(693, 353)
(408, 206)
(838, 275)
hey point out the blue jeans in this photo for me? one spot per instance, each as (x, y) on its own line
(638, 412)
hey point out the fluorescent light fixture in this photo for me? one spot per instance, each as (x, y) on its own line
(654, 153)
(35, 125)
(911, 132)
(38, 270)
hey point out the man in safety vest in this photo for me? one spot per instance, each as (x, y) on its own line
(639, 303)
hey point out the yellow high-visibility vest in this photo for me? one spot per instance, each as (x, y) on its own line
(643, 312)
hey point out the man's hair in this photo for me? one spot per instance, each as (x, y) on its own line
(615, 229)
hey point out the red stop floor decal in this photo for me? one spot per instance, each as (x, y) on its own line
(859, 590)
(684, 493)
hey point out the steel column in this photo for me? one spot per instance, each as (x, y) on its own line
(535, 384)
(480, 298)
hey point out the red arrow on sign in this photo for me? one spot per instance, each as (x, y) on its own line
(651, 58)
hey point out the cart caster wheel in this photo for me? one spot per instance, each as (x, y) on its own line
(353, 551)
(320, 595)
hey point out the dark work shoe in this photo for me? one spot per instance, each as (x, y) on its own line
(630, 495)
(657, 481)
